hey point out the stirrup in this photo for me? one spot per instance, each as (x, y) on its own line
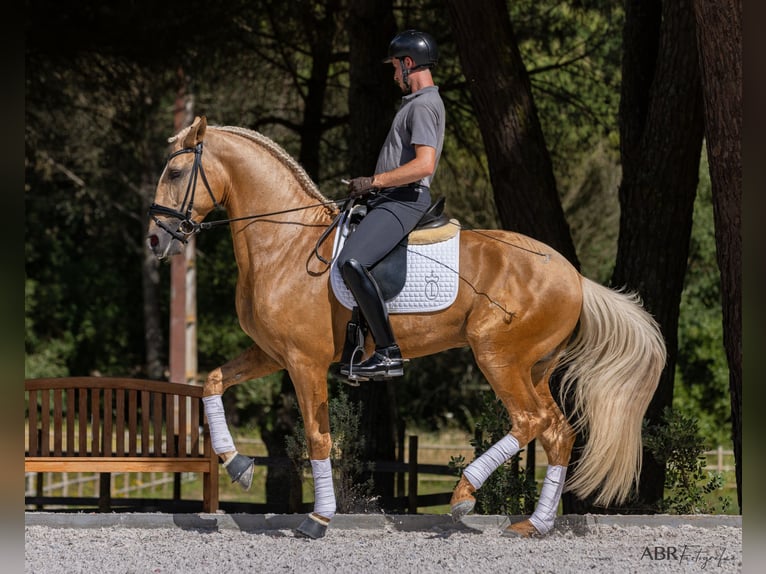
(347, 370)
(379, 366)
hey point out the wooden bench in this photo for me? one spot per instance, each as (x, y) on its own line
(106, 425)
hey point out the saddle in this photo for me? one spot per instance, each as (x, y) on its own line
(426, 282)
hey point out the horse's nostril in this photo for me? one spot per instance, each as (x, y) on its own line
(154, 240)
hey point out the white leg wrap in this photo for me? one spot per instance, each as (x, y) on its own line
(480, 469)
(547, 507)
(216, 421)
(324, 495)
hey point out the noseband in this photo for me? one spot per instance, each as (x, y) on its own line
(187, 226)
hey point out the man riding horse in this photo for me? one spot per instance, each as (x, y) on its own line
(400, 194)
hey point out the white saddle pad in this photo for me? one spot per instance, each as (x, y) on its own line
(432, 275)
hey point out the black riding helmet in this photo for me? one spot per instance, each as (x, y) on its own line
(420, 46)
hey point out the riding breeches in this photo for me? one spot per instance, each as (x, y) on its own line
(391, 215)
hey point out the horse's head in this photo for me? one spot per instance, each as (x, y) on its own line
(184, 195)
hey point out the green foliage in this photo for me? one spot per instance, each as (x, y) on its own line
(353, 495)
(572, 52)
(43, 358)
(508, 490)
(676, 442)
(702, 373)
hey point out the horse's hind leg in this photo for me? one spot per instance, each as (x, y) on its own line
(251, 364)
(557, 440)
(529, 417)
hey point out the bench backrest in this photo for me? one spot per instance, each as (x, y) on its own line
(113, 417)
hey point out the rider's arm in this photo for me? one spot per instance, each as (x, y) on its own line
(422, 165)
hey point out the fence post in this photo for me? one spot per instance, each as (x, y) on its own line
(176, 475)
(400, 474)
(105, 492)
(412, 491)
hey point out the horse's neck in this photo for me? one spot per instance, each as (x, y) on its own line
(277, 216)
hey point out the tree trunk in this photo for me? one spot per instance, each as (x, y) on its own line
(372, 99)
(719, 40)
(372, 93)
(150, 283)
(661, 138)
(520, 167)
(321, 34)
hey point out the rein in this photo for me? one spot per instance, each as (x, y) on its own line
(187, 225)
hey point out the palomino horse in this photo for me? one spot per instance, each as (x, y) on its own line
(521, 307)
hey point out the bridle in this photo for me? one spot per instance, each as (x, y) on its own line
(187, 225)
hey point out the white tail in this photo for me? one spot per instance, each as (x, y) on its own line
(612, 367)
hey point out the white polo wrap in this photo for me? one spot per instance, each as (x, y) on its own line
(480, 469)
(544, 516)
(324, 495)
(216, 421)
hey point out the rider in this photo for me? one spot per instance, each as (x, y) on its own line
(399, 192)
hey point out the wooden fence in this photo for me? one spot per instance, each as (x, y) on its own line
(408, 470)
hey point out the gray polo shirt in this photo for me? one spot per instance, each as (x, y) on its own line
(420, 120)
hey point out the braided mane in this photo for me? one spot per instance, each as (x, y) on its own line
(280, 154)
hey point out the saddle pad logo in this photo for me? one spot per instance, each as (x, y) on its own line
(432, 278)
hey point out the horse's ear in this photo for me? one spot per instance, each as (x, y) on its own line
(196, 132)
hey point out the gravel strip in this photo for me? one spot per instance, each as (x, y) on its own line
(418, 544)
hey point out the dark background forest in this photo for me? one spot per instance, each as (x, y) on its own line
(609, 130)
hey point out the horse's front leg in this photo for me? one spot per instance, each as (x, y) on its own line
(310, 383)
(251, 364)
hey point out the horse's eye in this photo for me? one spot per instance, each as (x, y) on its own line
(174, 173)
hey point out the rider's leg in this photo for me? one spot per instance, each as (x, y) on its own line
(386, 361)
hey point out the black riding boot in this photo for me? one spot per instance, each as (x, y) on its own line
(386, 361)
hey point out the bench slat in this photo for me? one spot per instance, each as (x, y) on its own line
(106, 443)
(57, 418)
(157, 423)
(71, 408)
(32, 430)
(170, 414)
(95, 421)
(183, 431)
(115, 464)
(83, 418)
(145, 410)
(45, 423)
(120, 422)
(132, 422)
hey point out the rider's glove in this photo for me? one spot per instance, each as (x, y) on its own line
(360, 186)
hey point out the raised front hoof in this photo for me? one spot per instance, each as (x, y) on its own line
(462, 501)
(313, 526)
(240, 469)
(523, 529)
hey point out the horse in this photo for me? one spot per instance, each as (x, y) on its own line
(523, 309)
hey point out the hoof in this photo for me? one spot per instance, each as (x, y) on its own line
(461, 509)
(313, 526)
(523, 529)
(240, 469)
(462, 499)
